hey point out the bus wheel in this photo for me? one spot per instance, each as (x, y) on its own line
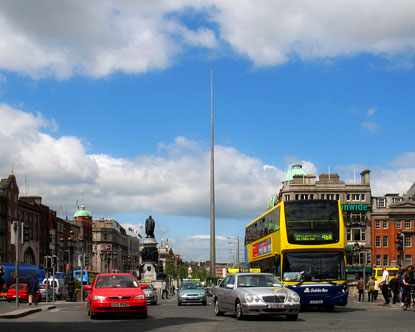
(329, 307)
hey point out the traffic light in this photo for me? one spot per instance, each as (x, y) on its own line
(26, 233)
(400, 241)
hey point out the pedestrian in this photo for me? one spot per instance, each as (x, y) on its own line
(395, 287)
(164, 291)
(173, 289)
(408, 283)
(360, 288)
(371, 289)
(33, 288)
(384, 285)
(377, 290)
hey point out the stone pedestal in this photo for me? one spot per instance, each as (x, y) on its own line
(149, 256)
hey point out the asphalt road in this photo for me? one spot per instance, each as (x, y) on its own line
(169, 317)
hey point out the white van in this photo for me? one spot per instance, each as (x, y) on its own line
(56, 284)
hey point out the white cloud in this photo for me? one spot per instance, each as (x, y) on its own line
(175, 181)
(371, 111)
(100, 37)
(271, 32)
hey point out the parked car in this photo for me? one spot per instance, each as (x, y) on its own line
(23, 293)
(191, 293)
(254, 294)
(115, 293)
(150, 292)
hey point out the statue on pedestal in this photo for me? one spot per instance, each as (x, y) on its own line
(150, 225)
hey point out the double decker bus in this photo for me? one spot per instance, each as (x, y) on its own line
(303, 244)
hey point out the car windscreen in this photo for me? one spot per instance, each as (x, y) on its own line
(116, 282)
(312, 222)
(313, 266)
(257, 280)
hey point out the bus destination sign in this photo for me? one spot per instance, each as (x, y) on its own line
(313, 237)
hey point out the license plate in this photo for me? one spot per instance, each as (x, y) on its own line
(275, 306)
(119, 305)
(316, 302)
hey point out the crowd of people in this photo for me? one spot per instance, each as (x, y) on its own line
(395, 289)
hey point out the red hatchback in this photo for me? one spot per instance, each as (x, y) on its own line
(116, 293)
(23, 293)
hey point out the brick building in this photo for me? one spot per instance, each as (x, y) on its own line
(392, 215)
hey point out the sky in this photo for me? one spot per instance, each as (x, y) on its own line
(107, 103)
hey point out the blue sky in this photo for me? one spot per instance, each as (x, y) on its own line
(128, 132)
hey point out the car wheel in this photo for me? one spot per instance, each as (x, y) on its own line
(238, 310)
(179, 303)
(329, 308)
(204, 302)
(144, 315)
(218, 312)
(292, 317)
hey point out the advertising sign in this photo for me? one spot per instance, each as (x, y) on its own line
(262, 248)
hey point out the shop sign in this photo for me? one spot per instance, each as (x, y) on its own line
(355, 207)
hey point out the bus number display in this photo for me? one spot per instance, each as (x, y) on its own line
(310, 237)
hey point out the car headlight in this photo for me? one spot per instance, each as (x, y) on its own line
(293, 298)
(139, 297)
(251, 299)
(99, 298)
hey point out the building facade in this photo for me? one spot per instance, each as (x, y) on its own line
(110, 247)
(393, 216)
(355, 199)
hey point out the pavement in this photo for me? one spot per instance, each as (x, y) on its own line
(168, 316)
(10, 311)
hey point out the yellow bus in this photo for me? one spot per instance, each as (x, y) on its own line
(302, 243)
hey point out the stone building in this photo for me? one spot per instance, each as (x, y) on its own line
(9, 195)
(354, 197)
(393, 215)
(110, 246)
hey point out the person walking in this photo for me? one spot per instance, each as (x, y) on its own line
(408, 283)
(164, 291)
(360, 288)
(33, 287)
(395, 287)
(384, 286)
(371, 289)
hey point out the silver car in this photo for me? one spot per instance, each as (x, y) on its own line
(255, 294)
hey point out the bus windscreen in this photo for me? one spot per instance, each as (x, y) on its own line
(313, 266)
(312, 222)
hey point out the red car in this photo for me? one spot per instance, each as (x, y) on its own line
(116, 293)
(23, 293)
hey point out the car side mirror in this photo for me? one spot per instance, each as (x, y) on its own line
(230, 286)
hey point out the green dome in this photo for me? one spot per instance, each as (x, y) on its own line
(82, 212)
(295, 170)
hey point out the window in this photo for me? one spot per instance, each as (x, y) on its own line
(377, 242)
(398, 225)
(287, 197)
(311, 196)
(323, 196)
(385, 241)
(348, 197)
(356, 234)
(408, 241)
(381, 203)
(378, 259)
(407, 224)
(362, 197)
(408, 260)
(385, 224)
(296, 197)
(337, 197)
(349, 235)
(385, 260)
(355, 197)
(377, 224)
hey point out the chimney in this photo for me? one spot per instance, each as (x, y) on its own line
(365, 177)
